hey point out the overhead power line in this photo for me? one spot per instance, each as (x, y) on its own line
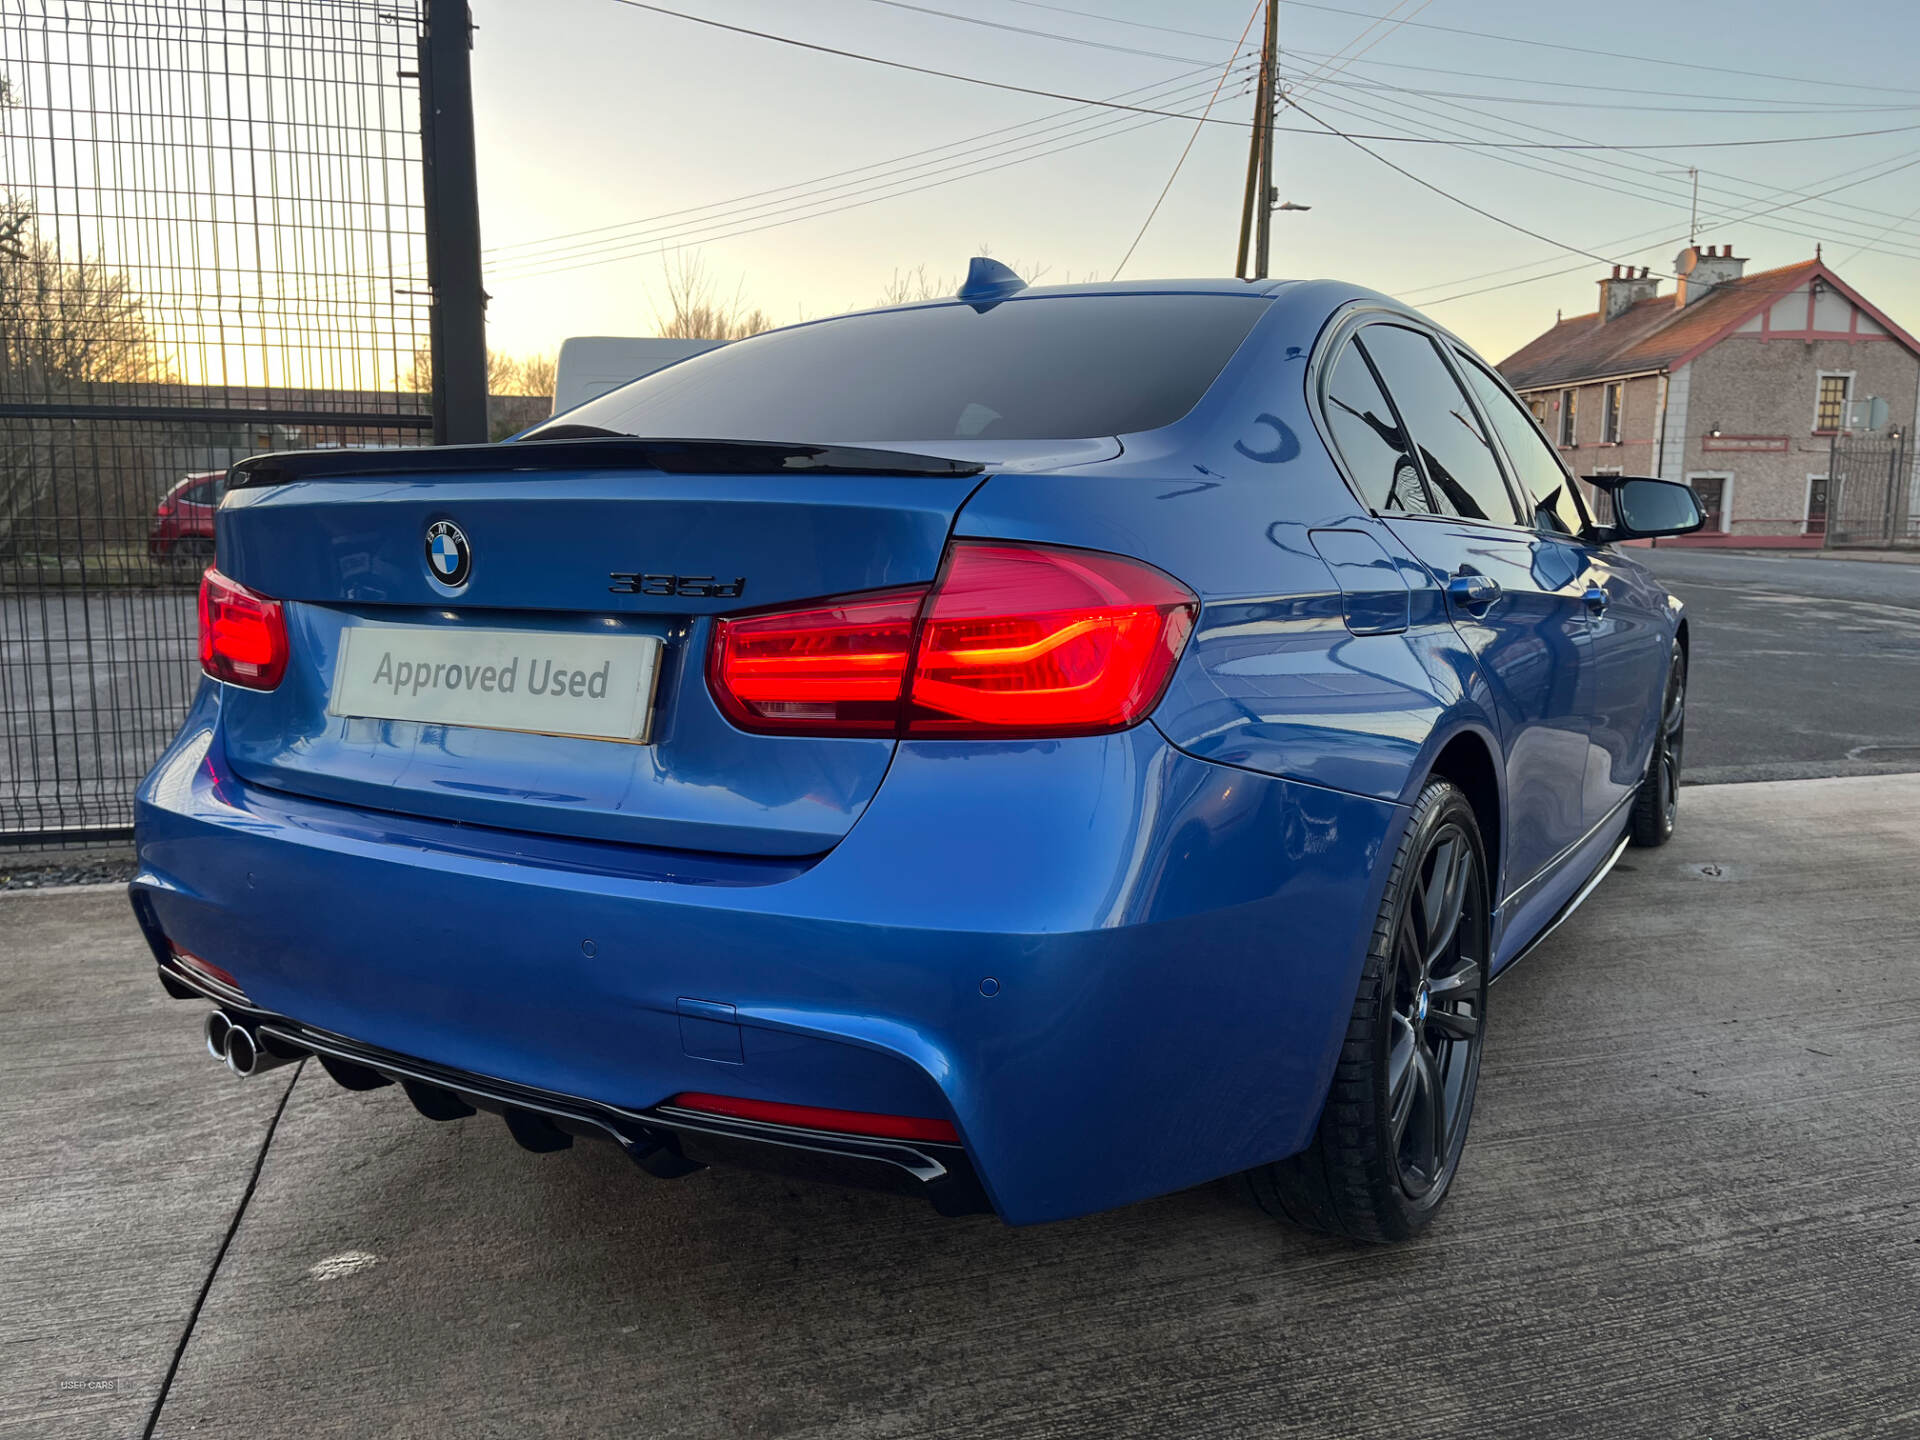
(1490, 35)
(1094, 131)
(1221, 119)
(1173, 90)
(1187, 149)
(1446, 194)
(1589, 166)
(1040, 34)
(1842, 107)
(1340, 59)
(1642, 239)
(1602, 173)
(1736, 220)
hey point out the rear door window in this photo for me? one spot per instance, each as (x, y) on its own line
(1046, 368)
(1538, 469)
(1370, 439)
(1463, 473)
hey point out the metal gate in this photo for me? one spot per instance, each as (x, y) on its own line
(211, 244)
(1870, 492)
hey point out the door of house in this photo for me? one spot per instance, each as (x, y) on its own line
(1712, 490)
(1817, 505)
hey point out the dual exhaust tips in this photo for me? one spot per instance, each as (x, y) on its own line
(243, 1050)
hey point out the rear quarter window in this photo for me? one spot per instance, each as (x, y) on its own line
(1045, 368)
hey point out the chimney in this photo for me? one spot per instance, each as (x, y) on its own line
(1623, 288)
(1701, 271)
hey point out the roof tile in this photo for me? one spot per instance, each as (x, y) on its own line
(1650, 335)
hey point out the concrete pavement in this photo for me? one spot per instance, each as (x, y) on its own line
(1687, 1209)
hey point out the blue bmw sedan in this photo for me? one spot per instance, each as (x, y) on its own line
(1035, 750)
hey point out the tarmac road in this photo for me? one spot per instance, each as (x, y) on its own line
(1687, 1209)
(1801, 667)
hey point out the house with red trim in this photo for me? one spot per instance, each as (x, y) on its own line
(1735, 383)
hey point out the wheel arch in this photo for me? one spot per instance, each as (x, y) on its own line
(1470, 760)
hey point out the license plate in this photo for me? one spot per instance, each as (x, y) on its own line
(597, 687)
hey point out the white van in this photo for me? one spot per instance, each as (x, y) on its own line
(591, 365)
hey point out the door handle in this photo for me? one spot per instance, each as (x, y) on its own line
(1472, 591)
(1596, 599)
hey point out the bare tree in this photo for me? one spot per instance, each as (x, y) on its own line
(910, 286)
(506, 375)
(536, 375)
(65, 323)
(695, 309)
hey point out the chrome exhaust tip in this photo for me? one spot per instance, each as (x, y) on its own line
(216, 1028)
(249, 1054)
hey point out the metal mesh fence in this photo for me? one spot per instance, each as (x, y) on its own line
(211, 244)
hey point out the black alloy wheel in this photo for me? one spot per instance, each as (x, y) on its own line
(1656, 808)
(1433, 1053)
(1395, 1123)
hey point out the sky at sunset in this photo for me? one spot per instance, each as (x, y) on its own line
(610, 135)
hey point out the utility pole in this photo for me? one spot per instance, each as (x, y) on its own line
(1253, 176)
(1269, 84)
(452, 192)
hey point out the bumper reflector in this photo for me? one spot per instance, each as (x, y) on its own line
(813, 1117)
(205, 967)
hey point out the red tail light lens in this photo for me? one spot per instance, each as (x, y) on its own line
(1035, 641)
(1013, 640)
(243, 635)
(833, 669)
(813, 1117)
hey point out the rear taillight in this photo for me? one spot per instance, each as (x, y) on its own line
(1012, 640)
(835, 669)
(1045, 642)
(243, 636)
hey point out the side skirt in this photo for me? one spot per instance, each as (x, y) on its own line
(1565, 911)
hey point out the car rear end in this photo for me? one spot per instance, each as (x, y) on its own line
(719, 798)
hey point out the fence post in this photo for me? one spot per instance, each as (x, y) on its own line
(452, 192)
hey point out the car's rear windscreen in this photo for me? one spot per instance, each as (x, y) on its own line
(1045, 368)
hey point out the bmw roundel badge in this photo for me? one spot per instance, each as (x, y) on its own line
(448, 556)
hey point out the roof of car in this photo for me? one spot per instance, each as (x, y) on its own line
(1220, 285)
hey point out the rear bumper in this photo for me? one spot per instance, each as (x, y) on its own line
(1118, 970)
(667, 1141)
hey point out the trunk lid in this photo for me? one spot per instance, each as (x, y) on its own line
(633, 542)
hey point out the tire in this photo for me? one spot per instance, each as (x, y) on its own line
(1656, 806)
(1384, 1155)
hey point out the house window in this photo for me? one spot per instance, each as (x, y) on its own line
(1831, 411)
(1566, 417)
(1610, 404)
(1712, 490)
(1537, 407)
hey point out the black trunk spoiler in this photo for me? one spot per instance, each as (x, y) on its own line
(594, 452)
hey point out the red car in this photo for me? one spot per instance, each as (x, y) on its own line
(183, 521)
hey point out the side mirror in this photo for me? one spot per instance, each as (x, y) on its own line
(1644, 507)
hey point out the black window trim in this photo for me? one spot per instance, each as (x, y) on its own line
(1346, 328)
(1462, 356)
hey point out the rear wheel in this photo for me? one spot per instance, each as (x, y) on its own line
(1656, 807)
(1396, 1116)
